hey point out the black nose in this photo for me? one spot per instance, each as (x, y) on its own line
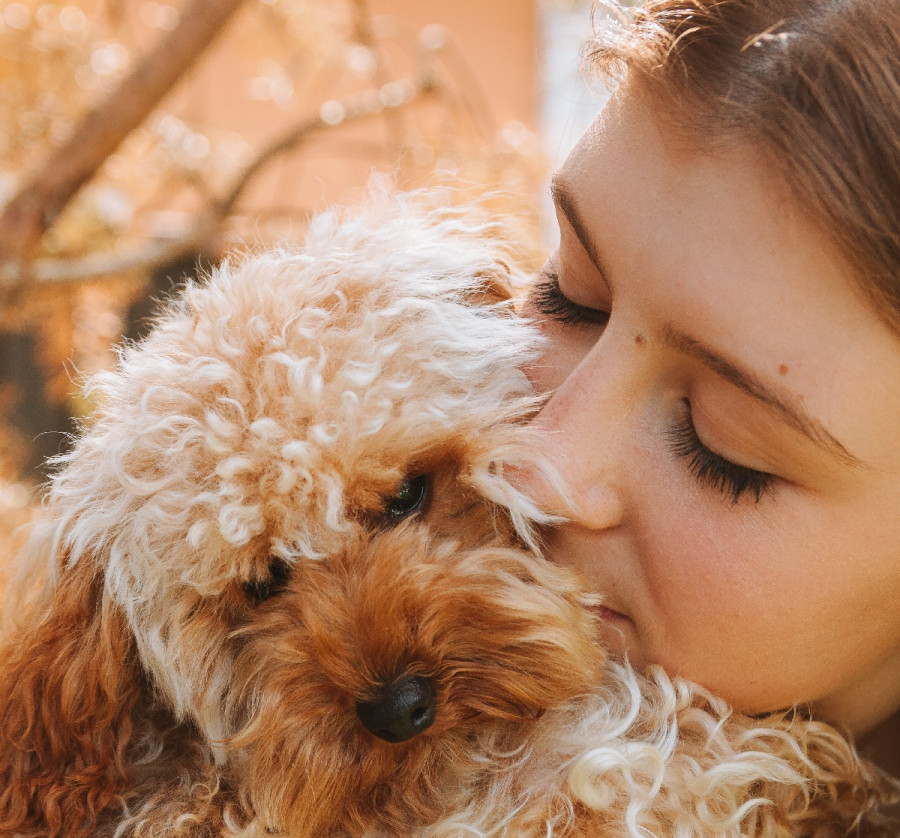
(404, 709)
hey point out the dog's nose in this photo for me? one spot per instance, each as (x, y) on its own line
(404, 710)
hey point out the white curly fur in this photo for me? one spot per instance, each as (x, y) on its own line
(657, 757)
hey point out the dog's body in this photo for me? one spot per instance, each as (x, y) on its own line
(284, 587)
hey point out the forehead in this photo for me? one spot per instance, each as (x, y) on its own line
(711, 245)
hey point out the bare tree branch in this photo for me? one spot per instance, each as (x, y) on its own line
(392, 96)
(144, 259)
(67, 168)
(333, 114)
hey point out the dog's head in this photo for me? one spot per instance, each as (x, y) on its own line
(290, 513)
(368, 686)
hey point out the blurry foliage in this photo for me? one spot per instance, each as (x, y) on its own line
(292, 94)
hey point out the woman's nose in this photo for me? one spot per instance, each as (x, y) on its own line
(585, 432)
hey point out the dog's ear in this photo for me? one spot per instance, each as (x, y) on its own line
(69, 684)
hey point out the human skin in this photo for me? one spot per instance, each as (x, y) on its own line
(725, 413)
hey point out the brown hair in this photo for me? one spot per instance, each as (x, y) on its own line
(814, 83)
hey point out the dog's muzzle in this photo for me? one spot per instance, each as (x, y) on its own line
(405, 708)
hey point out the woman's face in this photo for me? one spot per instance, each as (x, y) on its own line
(727, 416)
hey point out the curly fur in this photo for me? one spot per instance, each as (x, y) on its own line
(218, 584)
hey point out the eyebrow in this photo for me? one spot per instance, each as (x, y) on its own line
(790, 410)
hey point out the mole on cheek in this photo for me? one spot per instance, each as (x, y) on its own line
(782, 369)
(639, 339)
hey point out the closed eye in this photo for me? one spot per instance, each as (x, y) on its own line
(729, 479)
(547, 298)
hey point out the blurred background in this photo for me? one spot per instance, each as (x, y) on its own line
(141, 139)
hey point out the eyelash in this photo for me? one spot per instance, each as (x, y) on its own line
(730, 479)
(549, 300)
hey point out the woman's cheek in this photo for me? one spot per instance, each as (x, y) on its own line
(699, 569)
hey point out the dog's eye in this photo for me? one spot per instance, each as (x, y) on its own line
(409, 498)
(279, 574)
